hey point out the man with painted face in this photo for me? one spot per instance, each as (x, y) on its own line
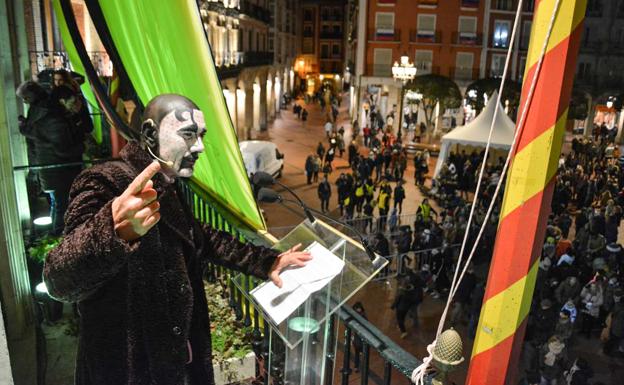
(132, 258)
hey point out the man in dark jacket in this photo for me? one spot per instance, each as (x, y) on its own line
(399, 196)
(53, 142)
(324, 193)
(132, 258)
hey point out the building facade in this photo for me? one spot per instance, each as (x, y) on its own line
(254, 44)
(467, 40)
(323, 43)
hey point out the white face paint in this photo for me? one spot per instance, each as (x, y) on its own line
(180, 139)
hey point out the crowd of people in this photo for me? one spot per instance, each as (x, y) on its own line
(55, 128)
(578, 294)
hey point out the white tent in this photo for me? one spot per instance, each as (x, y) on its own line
(476, 132)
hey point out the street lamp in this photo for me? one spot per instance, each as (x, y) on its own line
(404, 71)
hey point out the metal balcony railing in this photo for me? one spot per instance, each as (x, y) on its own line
(425, 37)
(255, 11)
(384, 34)
(467, 38)
(374, 342)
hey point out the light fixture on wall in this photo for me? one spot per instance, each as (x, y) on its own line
(43, 221)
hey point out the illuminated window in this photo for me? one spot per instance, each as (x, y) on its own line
(500, 38)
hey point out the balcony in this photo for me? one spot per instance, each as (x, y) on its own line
(255, 11)
(467, 38)
(331, 35)
(425, 37)
(464, 74)
(378, 351)
(384, 34)
(229, 64)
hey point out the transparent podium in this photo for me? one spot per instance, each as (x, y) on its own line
(302, 338)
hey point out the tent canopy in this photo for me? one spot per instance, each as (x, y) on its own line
(477, 131)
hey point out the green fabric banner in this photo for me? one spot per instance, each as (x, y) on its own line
(164, 49)
(79, 68)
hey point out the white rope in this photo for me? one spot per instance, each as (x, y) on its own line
(418, 375)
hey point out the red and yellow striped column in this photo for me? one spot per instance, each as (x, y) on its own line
(528, 194)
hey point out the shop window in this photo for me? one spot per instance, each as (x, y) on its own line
(529, 5)
(500, 38)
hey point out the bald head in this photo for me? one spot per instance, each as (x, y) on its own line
(173, 128)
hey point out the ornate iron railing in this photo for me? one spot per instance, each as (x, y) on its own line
(207, 209)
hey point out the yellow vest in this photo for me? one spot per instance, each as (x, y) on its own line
(382, 200)
(359, 192)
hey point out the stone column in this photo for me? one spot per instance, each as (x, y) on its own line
(249, 110)
(263, 104)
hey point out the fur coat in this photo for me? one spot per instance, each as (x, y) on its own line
(143, 313)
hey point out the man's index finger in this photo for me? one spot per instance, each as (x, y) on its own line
(147, 174)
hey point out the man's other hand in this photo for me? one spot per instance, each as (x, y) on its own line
(135, 211)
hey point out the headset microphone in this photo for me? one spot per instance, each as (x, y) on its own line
(168, 163)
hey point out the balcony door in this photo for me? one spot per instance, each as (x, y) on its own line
(382, 62)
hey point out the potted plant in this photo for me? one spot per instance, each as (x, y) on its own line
(233, 358)
(52, 309)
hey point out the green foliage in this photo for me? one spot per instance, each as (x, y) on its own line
(42, 246)
(511, 92)
(230, 338)
(435, 88)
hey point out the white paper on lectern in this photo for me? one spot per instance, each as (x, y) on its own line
(298, 283)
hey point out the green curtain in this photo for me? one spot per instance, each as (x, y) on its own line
(164, 49)
(79, 68)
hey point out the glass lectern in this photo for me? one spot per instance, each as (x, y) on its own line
(302, 339)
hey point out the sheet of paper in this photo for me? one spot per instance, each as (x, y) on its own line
(298, 283)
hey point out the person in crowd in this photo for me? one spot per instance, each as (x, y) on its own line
(54, 142)
(309, 168)
(132, 258)
(316, 168)
(320, 150)
(591, 301)
(554, 361)
(324, 193)
(407, 299)
(399, 196)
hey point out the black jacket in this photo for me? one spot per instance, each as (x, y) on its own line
(140, 302)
